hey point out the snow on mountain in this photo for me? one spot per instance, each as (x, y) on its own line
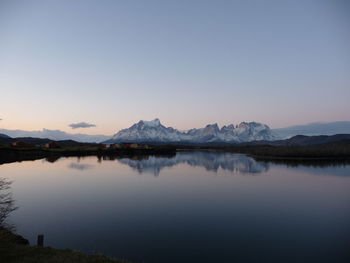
(154, 131)
(207, 134)
(148, 131)
(254, 131)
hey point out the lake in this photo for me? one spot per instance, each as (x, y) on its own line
(191, 207)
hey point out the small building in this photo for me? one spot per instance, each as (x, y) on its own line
(21, 144)
(51, 145)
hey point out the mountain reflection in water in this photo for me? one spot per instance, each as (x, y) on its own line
(80, 167)
(211, 161)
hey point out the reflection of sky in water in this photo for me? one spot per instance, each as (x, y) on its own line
(288, 214)
(336, 170)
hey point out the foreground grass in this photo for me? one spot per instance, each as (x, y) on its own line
(15, 249)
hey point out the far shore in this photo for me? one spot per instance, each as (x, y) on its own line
(9, 154)
(322, 152)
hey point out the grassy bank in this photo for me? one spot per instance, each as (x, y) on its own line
(15, 249)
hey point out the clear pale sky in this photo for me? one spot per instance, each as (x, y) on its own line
(189, 63)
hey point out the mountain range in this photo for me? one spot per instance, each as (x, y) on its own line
(154, 131)
(211, 133)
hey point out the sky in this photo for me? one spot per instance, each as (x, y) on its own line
(99, 66)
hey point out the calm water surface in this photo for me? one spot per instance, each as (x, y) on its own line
(193, 207)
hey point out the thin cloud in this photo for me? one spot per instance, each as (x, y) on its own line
(81, 125)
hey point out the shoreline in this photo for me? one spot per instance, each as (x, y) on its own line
(9, 155)
(15, 248)
(287, 154)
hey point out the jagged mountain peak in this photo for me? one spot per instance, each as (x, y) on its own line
(213, 126)
(230, 127)
(250, 124)
(152, 123)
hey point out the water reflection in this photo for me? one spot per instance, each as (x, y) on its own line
(308, 162)
(211, 161)
(186, 214)
(7, 203)
(52, 159)
(80, 166)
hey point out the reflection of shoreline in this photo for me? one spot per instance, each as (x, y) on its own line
(211, 161)
(7, 203)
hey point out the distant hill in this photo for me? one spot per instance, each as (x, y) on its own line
(331, 128)
(4, 136)
(302, 140)
(56, 135)
(39, 141)
(298, 140)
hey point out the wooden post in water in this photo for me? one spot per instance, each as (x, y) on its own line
(40, 242)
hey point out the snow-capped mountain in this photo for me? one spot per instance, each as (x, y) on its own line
(148, 131)
(154, 131)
